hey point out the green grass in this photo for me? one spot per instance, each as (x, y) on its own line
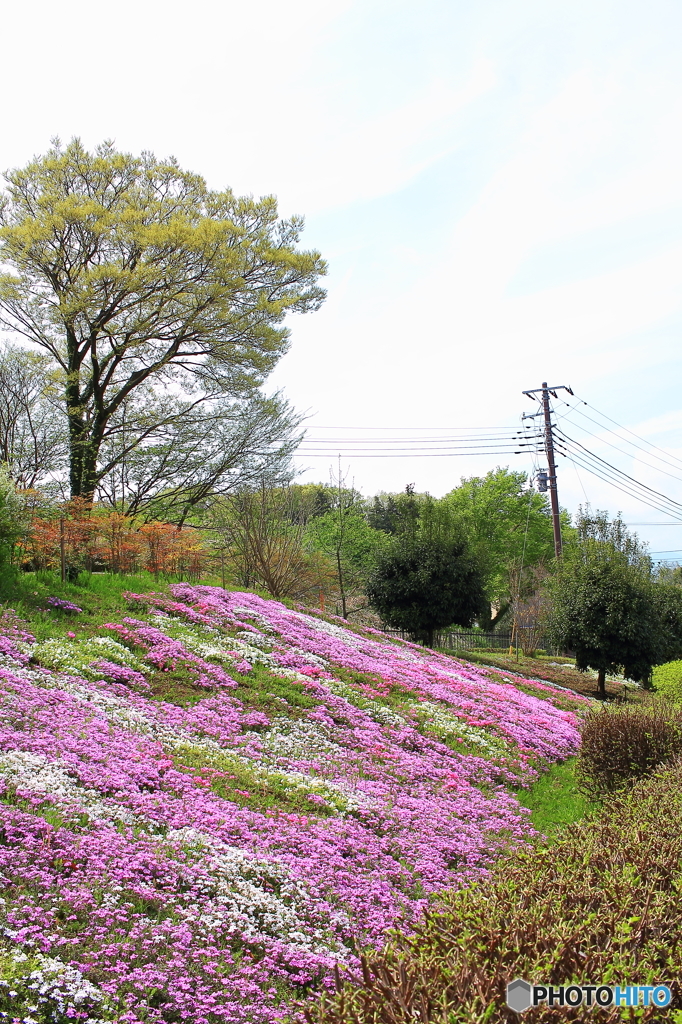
(263, 691)
(554, 800)
(269, 792)
(100, 595)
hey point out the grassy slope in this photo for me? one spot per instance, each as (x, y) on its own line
(98, 594)
(552, 799)
(560, 671)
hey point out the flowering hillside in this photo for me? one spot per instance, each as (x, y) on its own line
(208, 804)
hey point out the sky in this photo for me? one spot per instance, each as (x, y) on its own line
(494, 183)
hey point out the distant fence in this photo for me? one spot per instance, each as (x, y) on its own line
(465, 640)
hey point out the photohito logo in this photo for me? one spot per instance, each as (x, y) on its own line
(521, 995)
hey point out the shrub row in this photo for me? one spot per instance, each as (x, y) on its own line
(623, 743)
(601, 905)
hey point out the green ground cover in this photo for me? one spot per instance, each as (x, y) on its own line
(100, 595)
(554, 800)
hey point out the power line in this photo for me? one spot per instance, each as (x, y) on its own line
(321, 426)
(393, 455)
(620, 472)
(352, 445)
(382, 442)
(627, 430)
(603, 473)
(657, 469)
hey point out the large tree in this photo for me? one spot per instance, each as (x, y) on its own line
(606, 605)
(421, 584)
(509, 525)
(131, 272)
(167, 459)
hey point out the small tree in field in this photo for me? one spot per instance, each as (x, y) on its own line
(260, 537)
(422, 584)
(605, 606)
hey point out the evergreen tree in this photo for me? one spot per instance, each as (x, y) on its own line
(422, 584)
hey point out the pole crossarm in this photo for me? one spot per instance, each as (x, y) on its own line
(552, 391)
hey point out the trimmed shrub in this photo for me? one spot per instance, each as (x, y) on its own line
(625, 743)
(601, 905)
(667, 680)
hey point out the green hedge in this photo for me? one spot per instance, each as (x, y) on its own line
(603, 904)
(623, 743)
(667, 680)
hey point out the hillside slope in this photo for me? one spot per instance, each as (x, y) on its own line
(206, 805)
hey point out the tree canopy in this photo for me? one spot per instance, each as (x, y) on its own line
(607, 605)
(33, 442)
(344, 535)
(507, 523)
(421, 584)
(130, 272)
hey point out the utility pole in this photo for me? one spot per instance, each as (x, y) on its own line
(549, 448)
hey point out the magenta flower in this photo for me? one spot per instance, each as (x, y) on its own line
(170, 899)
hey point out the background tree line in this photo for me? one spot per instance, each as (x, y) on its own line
(145, 312)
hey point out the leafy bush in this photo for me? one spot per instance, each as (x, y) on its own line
(11, 515)
(624, 743)
(602, 904)
(424, 584)
(667, 680)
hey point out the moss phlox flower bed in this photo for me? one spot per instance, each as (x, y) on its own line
(210, 858)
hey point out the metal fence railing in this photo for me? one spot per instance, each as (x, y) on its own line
(464, 640)
(474, 641)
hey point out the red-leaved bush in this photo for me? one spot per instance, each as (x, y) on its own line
(624, 743)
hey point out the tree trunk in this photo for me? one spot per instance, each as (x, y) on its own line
(501, 611)
(83, 453)
(601, 682)
(341, 589)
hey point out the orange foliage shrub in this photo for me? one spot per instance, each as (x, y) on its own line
(98, 538)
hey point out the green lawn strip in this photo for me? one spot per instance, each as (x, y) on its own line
(563, 701)
(99, 595)
(554, 800)
(264, 690)
(544, 671)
